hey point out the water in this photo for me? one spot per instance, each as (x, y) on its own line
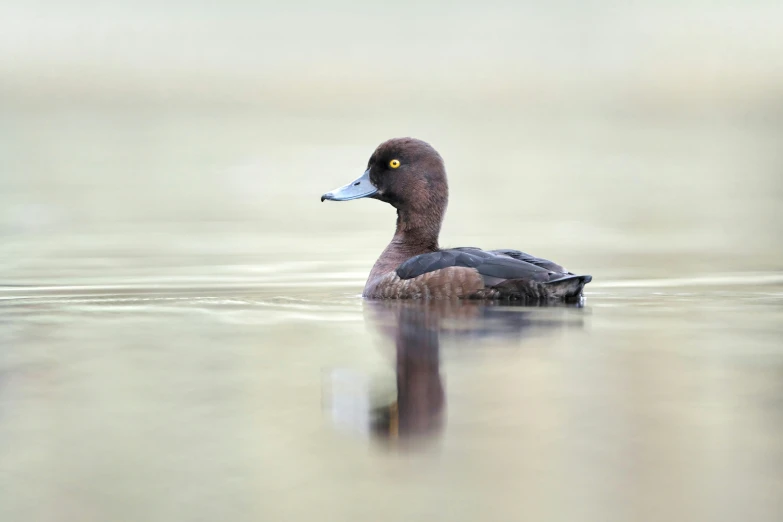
(275, 392)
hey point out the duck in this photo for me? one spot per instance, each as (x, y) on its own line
(410, 175)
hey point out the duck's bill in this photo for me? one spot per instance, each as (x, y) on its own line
(361, 187)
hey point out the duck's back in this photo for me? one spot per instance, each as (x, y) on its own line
(472, 273)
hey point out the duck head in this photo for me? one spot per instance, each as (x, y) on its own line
(406, 173)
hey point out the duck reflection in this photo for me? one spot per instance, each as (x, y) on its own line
(419, 407)
(416, 328)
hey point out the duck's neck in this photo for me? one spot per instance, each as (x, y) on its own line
(416, 233)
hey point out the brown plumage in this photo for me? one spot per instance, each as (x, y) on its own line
(410, 175)
(439, 284)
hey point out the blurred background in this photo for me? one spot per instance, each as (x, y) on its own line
(574, 128)
(174, 298)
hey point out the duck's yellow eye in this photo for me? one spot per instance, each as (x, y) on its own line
(394, 163)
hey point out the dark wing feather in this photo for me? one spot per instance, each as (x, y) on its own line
(501, 267)
(494, 266)
(527, 258)
(424, 263)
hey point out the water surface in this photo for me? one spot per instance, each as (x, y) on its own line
(255, 396)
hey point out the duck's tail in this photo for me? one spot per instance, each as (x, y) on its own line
(568, 287)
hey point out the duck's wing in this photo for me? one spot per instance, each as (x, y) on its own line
(533, 260)
(495, 266)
